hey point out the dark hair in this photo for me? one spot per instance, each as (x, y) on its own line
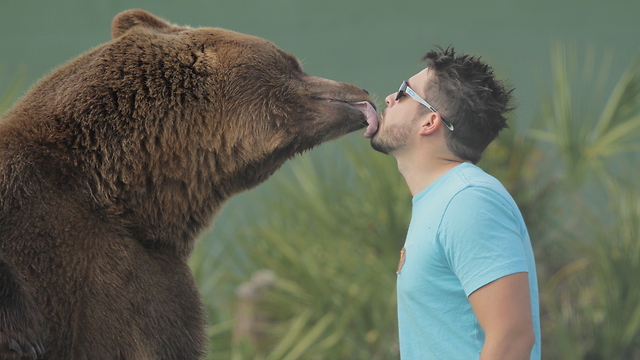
(470, 97)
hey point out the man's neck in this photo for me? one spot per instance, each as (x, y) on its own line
(419, 175)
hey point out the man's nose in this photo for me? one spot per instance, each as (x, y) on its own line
(390, 99)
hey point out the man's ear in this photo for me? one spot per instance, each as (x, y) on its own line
(429, 123)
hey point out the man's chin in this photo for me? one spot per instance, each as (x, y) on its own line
(378, 145)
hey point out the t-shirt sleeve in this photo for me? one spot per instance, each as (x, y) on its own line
(481, 238)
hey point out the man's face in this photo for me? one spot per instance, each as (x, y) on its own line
(398, 125)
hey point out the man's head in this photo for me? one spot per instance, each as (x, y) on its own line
(466, 93)
(461, 92)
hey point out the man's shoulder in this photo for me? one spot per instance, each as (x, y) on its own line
(474, 176)
(473, 181)
(466, 184)
(483, 195)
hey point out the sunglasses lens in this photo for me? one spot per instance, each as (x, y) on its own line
(401, 90)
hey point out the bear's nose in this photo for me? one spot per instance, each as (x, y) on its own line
(365, 90)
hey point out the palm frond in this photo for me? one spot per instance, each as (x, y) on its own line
(586, 141)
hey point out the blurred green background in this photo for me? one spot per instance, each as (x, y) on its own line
(302, 267)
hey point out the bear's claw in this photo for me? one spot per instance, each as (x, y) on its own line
(11, 349)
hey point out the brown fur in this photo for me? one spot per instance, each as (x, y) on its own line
(111, 166)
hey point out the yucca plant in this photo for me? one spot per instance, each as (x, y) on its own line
(590, 135)
(595, 300)
(590, 303)
(614, 276)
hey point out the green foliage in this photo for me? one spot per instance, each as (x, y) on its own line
(589, 141)
(595, 301)
(592, 303)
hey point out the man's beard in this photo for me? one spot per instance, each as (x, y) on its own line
(392, 138)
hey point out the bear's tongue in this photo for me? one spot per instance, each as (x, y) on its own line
(372, 118)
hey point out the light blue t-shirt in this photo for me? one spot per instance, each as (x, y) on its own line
(466, 231)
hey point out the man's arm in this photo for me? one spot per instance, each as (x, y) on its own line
(503, 309)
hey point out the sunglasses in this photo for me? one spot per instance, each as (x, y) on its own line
(405, 89)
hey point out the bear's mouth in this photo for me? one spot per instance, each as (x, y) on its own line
(368, 110)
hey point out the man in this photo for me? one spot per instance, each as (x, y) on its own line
(467, 286)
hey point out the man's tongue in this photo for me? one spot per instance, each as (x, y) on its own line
(372, 118)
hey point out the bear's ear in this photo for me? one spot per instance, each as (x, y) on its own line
(136, 17)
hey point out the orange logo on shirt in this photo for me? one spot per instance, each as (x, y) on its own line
(403, 253)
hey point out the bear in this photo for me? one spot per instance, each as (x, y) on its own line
(112, 165)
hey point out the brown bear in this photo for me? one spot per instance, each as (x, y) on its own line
(112, 165)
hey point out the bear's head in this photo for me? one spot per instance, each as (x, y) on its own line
(246, 100)
(163, 123)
